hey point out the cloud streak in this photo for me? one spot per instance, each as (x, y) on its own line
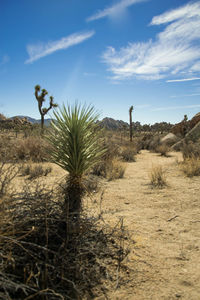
(183, 79)
(38, 51)
(188, 95)
(176, 107)
(113, 10)
(174, 52)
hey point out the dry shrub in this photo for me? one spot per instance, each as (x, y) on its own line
(32, 148)
(191, 166)
(128, 154)
(149, 141)
(157, 177)
(110, 169)
(137, 144)
(7, 148)
(191, 150)
(7, 173)
(100, 169)
(91, 183)
(115, 170)
(34, 171)
(163, 150)
(154, 143)
(41, 259)
(112, 150)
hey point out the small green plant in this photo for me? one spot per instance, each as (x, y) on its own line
(157, 177)
(76, 147)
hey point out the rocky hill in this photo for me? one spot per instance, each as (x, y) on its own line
(112, 124)
(184, 127)
(32, 120)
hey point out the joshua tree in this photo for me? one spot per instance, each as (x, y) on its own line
(131, 125)
(76, 147)
(40, 99)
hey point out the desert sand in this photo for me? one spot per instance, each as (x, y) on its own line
(164, 225)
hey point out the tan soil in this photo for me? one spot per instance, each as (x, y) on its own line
(165, 224)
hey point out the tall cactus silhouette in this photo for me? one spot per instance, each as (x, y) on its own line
(40, 99)
(131, 125)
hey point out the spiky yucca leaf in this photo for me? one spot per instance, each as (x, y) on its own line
(75, 139)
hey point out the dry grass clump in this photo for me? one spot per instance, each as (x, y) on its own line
(128, 154)
(191, 150)
(157, 177)
(32, 148)
(191, 167)
(191, 156)
(35, 170)
(100, 169)
(110, 169)
(115, 170)
(42, 259)
(163, 150)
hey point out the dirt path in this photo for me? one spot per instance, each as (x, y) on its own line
(165, 260)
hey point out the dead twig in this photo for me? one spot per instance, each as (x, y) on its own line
(169, 220)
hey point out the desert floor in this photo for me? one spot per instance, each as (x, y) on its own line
(164, 259)
(165, 225)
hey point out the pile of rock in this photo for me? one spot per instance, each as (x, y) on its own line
(183, 132)
(13, 123)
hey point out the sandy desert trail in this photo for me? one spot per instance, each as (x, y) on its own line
(165, 260)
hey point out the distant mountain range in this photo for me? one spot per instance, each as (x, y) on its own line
(112, 124)
(34, 121)
(107, 123)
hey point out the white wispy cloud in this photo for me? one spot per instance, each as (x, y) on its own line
(87, 74)
(187, 11)
(183, 79)
(113, 10)
(43, 49)
(4, 60)
(176, 107)
(188, 95)
(174, 52)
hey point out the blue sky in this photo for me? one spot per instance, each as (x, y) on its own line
(112, 54)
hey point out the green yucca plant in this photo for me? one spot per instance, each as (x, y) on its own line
(76, 147)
